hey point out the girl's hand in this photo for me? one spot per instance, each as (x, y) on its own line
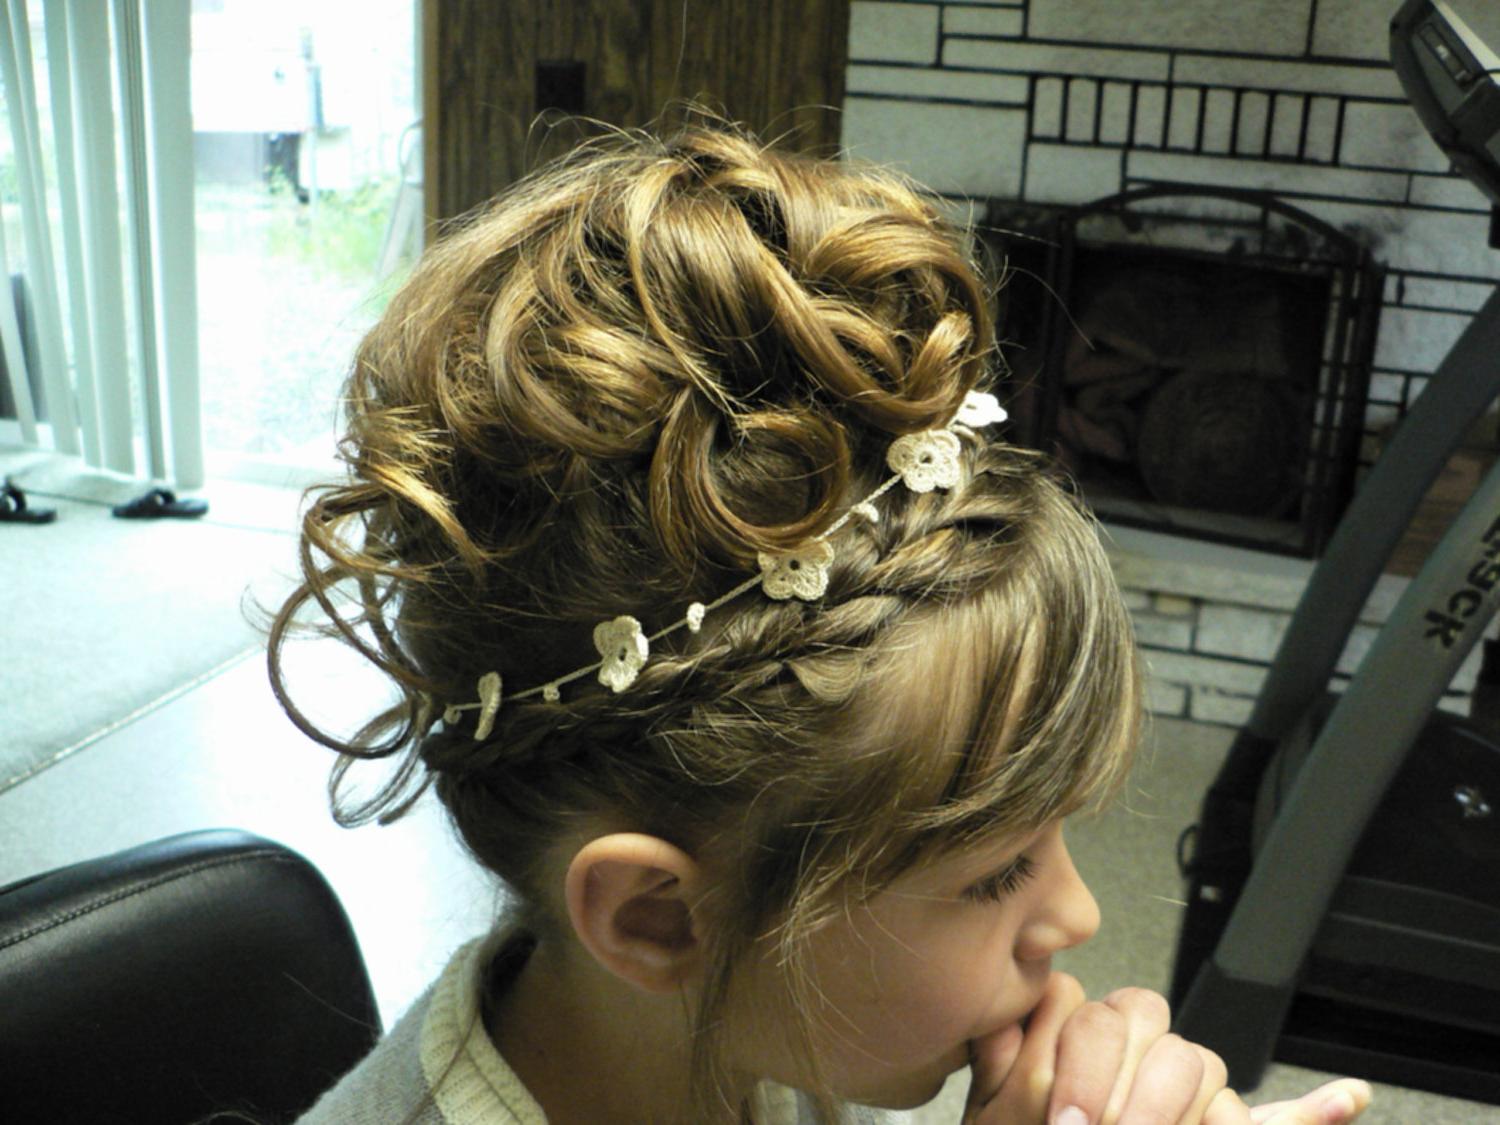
(1115, 1060)
(1338, 1101)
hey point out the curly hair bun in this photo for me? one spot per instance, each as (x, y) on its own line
(701, 324)
(598, 399)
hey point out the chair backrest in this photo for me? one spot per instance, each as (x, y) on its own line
(209, 972)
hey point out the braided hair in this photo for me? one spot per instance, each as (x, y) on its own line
(603, 394)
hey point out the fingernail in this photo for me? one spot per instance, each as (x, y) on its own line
(1337, 1107)
(1341, 1106)
(1071, 1116)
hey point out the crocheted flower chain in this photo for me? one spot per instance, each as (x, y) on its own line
(922, 461)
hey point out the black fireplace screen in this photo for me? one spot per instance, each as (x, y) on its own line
(1197, 358)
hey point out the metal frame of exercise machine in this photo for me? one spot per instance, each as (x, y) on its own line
(1270, 882)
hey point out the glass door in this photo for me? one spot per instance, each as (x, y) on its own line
(307, 153)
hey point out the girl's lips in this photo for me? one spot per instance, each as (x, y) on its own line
(1043, 973)
(1039, 992)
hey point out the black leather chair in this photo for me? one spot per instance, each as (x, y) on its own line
(201, 974)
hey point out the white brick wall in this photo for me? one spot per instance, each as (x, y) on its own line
(1150, 116)
(949, 85)
(1163, 698)
(1304, 77)
(1182, 128)
(989, 54)
(880, 32)
(1389, 136)
(1344, 29)
(1286, 125)
(1229, 676)
(1163, 632)
(1065, 101)
(1291, 181)
(1057, 173)
(1207, 650)
(1437, 293)
(995, 22)
(1210, 706)
(1432, 191)
(919, 138)
(1290, 96)
(1321, 130)
(1218, 120)
(1417, 339)
(1240, 632)
(1083, 98)
(1422, 241)
(1212, 25)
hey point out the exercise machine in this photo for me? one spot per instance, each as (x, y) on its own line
(1344, 876)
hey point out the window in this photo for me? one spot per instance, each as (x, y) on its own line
(304, 149)
(308, 167)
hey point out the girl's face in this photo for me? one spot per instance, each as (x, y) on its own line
(952, 951)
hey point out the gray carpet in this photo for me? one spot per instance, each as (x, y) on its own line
(104, 618)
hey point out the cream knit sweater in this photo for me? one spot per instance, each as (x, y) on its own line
(438, 1066)
(405, 1071)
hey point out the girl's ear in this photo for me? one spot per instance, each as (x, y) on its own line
(629, 898)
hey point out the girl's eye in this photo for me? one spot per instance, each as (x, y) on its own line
(1002, 883)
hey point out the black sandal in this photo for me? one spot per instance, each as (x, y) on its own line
(157, 503)
(13, 508)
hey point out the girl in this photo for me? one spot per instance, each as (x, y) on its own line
(738, 648)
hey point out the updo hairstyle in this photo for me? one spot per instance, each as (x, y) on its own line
(603, 394)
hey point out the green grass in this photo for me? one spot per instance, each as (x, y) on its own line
(341, 235)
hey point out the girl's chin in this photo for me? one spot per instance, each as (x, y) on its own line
(921, 1089)
(917, 1093)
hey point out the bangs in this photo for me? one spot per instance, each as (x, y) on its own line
(1005, 711)
(1057, 733)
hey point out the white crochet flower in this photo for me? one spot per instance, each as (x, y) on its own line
(980, 410)
(695, 614)
(802, 573)
(489, 704)
(925, 461)
(623, 646)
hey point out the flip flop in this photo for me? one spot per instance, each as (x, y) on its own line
(13, 508)
(158, 503)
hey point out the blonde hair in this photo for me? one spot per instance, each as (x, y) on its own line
(602, 395)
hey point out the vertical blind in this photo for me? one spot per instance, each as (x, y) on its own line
(108, 274)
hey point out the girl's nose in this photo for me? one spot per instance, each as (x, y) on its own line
(1065, 913)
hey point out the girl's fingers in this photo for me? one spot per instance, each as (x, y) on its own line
(1211, 1085)
(1115, 1060)
(1228, 1108)
(1147, 1018)
(990, 1061)
(1092, 1054)
(1170, 1081)
(1334, 1103)
(1101, 1049)
(1022, 1092)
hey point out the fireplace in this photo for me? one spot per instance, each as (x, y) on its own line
(1198, 359)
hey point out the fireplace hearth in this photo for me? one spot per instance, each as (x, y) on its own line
(1197, 359)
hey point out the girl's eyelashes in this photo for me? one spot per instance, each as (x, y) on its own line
(1006, 881)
